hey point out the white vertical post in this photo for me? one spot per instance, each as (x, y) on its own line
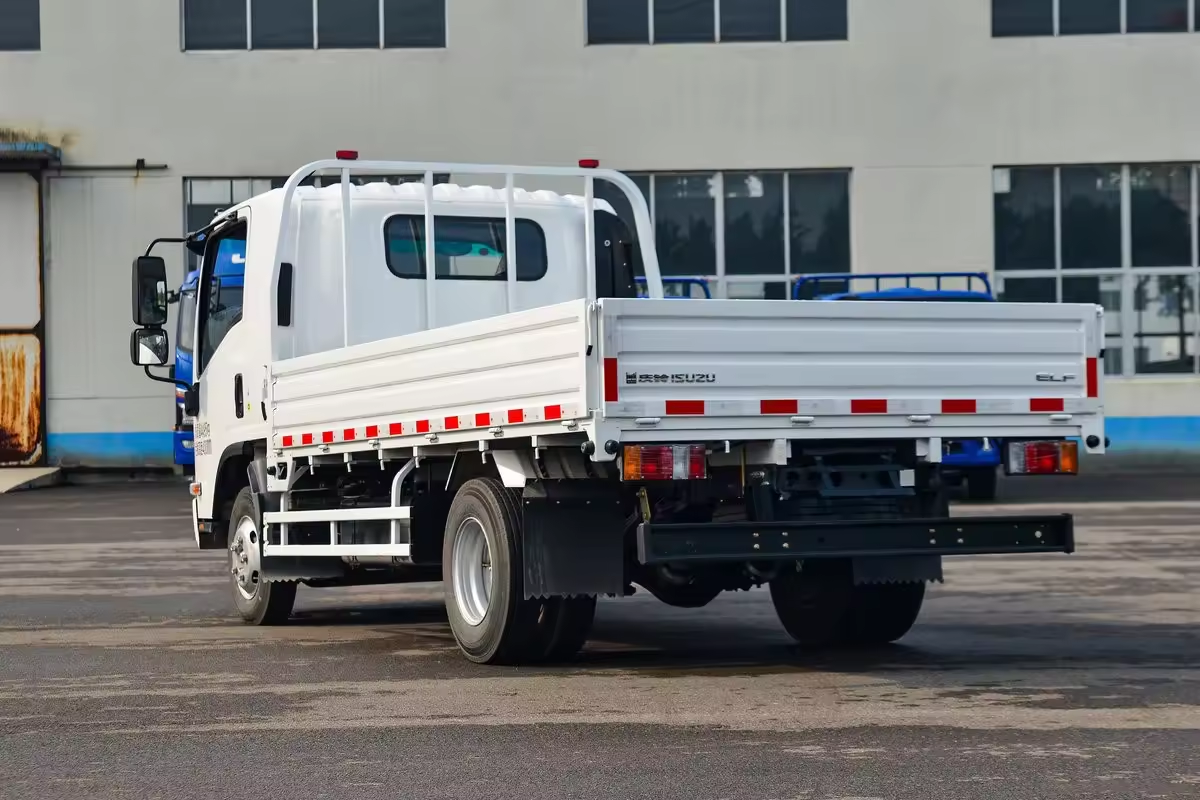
(589, 236)
(430, 251)
(345, 256)
(510, 245)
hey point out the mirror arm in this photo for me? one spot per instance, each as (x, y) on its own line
(161, 379)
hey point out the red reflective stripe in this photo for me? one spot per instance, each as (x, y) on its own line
(516, 415)
(287, 441)
(685, 407)
(610, 380)
(395, 429)
(553, 412)
(868, 406)
(372, 431)
(1093, 377)
(1043, 404)
(306, 438)
(422, 426)
(348, 435)
(958, 406)
(451, 423)
(483, 420)
(779, 406)
(326, 437)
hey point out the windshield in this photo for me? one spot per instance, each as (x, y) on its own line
(187, 321)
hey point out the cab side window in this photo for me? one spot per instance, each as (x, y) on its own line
(221, 283)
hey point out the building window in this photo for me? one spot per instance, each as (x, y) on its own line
(1123, 236)
(695, 21)
(746, 233)
(1089, 17)
(304, 24)
(20, 25)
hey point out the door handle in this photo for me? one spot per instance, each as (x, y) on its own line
(238, 399)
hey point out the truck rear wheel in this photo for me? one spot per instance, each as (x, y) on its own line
(820, 606)
(491, 620)
(258, 602)
(571, 622)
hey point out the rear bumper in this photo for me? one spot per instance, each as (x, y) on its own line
(944, 536)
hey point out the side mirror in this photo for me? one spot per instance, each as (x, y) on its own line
(148, 347)
(149, 292)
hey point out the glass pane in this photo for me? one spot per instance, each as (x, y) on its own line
(1106, 292)
(20, 25)
(816, 20)
(214, 24)
(1023, 207)
(684, 222)
(1028, 290)
(754, 223)
(414, 23)
(465, 248)
(1165, 324)
(618, 22)
(210, 191)
(819, 224)
(1160, 195)
(1022, 17)
(750, 21)
(768, 290)
(1089, 16)
(281, 24)
(348, 23)
(684, 21)
(1091, 217)
(1156, 16)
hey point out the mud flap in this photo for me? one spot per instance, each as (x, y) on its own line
(572, 541)
(898, 569)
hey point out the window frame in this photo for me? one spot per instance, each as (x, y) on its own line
(717, 38)
(420, 218)
(1126, 274)
(316, 43)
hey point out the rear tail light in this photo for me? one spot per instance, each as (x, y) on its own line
(1043, 458)
(672, 462)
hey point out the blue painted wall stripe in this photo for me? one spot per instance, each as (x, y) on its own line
(156, 448)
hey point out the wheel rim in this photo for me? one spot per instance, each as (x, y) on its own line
(471, 570)
(243, 558)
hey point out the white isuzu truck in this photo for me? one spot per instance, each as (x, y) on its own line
(424, 382)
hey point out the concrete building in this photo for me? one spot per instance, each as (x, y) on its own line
(1052, 143)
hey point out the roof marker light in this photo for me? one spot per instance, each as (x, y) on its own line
(346, 155)
(589, 163)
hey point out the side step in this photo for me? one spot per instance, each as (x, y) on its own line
(793, 541)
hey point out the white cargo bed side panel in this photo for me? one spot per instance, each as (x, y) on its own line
(519, 368)
(869, 365)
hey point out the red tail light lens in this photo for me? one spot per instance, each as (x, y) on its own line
(1043, 458)
(678, 462)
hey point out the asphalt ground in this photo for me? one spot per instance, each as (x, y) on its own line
(124, 674)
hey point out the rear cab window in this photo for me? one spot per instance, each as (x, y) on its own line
(465, 248)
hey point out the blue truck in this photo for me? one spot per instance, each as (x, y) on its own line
(228, 273)
(973, 464)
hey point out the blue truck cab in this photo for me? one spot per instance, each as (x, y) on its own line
(229, 273)
(972, 463)
(679, 288)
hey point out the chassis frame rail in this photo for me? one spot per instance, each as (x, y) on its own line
(775, 541)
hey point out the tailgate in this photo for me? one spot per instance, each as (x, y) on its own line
(851, 369)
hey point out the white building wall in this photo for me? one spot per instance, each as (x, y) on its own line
(920, 103)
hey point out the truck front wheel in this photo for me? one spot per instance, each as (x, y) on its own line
(491, 620)
(258, 602)
(820, 606)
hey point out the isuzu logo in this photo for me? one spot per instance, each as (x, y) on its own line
(632, 378)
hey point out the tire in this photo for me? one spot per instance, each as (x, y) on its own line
(981, 484)
(814, 601)
(491, 621)
(883, 612)
(258, 602)
(819, 606)
(572, 622)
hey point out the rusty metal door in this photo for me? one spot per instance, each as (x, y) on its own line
(22, 332)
